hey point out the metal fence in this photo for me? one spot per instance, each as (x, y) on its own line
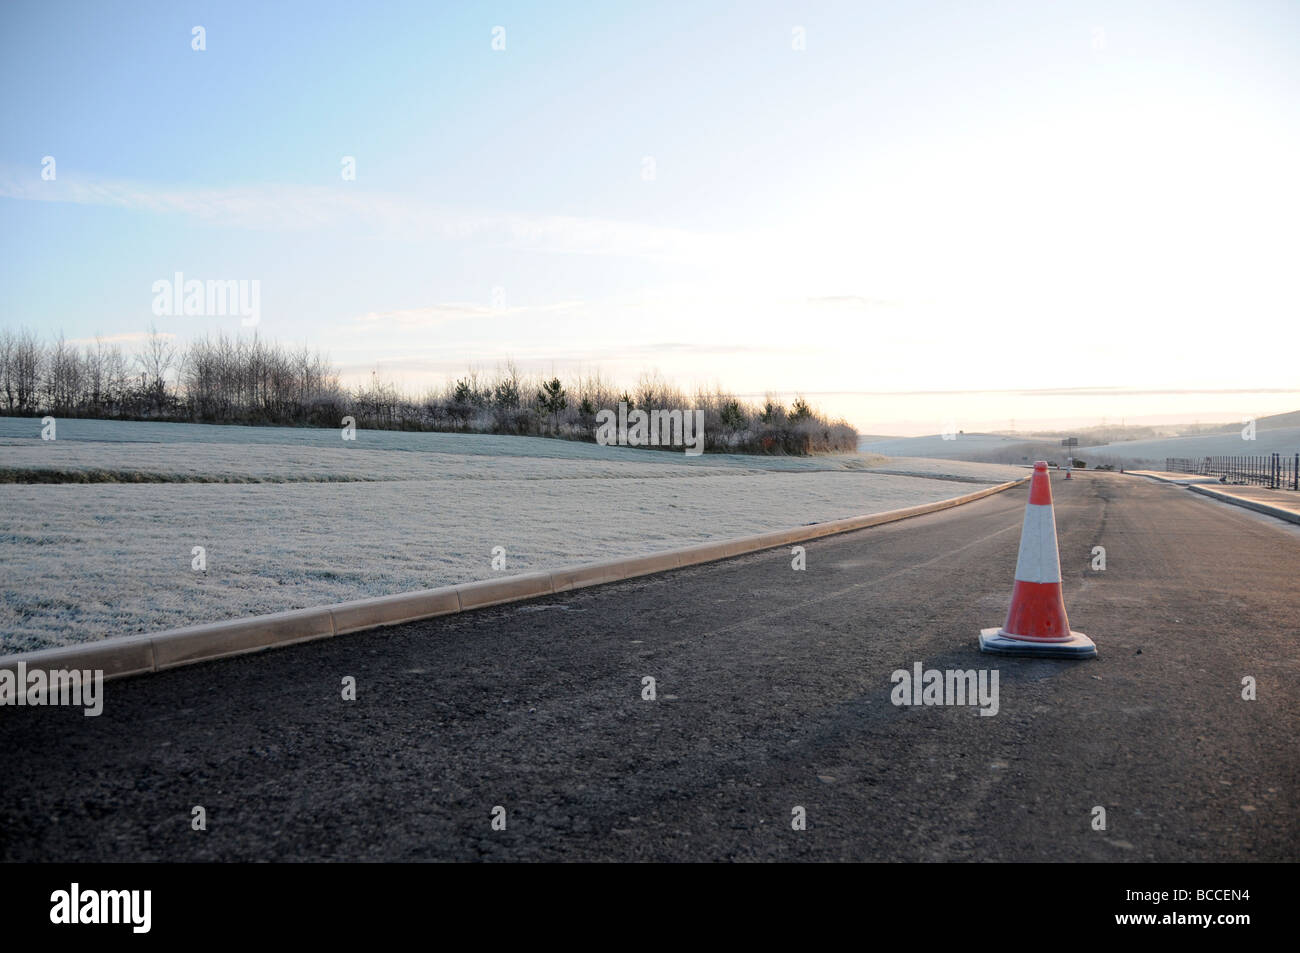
(1275, 471)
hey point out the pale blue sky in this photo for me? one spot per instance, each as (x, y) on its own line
(930, 196)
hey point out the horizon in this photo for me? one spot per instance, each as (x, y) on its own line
(831, 403)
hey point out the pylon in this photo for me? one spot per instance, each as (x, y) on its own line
(1037, 624)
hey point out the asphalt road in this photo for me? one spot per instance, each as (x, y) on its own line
(773, 692)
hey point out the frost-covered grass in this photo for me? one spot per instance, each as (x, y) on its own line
(402, 511)
(234, 442)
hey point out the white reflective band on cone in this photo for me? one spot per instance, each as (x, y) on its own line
(1038, 560)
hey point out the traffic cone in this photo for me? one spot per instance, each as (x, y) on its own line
(1036, 624)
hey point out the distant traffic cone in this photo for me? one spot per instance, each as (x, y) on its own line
(1036, 624)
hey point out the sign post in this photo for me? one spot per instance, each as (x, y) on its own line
(1069, 443)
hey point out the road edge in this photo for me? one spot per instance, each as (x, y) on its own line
(1274, 511)
(122, 656)
(1223, 496)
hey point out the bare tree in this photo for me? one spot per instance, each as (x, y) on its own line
(117, 377)
(26, 369)
(247, 380)
(7, 345)
(155, 361)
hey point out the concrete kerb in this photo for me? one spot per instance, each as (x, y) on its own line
(1275, 511)
(491, 592)
(1206, 487)
(393, 610)
(139, 654)
(1180, 480)
(125, 655)
(199, 643)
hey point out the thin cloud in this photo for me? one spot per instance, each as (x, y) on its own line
(431, 316)
(382, 215)
(528, 356)
(438, 315)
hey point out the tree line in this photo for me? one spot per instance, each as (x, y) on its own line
(233, 380)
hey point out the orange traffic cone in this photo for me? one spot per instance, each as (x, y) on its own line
(1036, 624)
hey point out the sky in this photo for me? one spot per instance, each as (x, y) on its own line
(919, 214)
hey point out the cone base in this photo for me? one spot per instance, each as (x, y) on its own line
(1079, 646)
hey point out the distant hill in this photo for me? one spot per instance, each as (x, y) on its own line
(1102, 434)
(1271, 422)
(1283, 440)
(1271, 436)
(964, 446)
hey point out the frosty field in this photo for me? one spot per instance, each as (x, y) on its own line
(328, 521)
